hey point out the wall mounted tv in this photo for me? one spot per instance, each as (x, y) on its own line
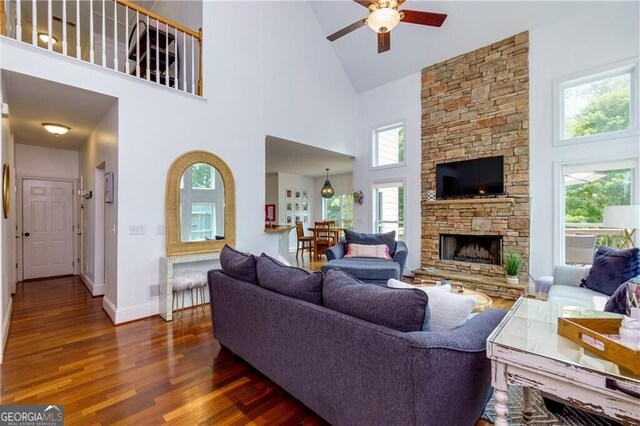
(469, 178)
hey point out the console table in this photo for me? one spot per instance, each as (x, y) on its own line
(171, 265)
(526, 350)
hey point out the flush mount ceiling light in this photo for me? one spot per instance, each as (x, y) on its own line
(56, 129)
(44, 37)
(327, 189)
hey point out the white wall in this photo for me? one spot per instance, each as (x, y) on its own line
(7, 233)
(101, 148)
(278, 76)
(398, 101)
(41, 162)
(604, 36)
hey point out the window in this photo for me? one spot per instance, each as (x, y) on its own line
(389, 208)
(597, 106)
(202, 221)
(340, 209)
(201, 217)
(388, 145)
(588, 189)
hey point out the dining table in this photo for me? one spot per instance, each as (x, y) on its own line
(335, 231)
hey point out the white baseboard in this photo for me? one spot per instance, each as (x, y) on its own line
(130, 313)
(6, 323)
(109, 308)
(95, 290)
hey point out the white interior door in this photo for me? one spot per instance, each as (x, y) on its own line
(47, 228)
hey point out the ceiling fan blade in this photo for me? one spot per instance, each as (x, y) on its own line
(365, 3)
(384, 42)
(347, 30)
(399, 3)
(424, 18)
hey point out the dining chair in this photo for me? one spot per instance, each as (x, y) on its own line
(323, 239)
(304, 242)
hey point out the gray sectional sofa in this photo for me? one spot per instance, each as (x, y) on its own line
(348, 370)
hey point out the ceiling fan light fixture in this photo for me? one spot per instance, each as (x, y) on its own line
(56, 129)
(44, 37)
(383, 20)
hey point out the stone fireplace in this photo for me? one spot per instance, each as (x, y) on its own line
(484, 249)
(476, 105)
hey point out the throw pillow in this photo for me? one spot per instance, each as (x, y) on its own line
(290, 281)
(380, 251)
(617, 303)
(399, 309)
(388, 238)
(448, 310)
(239, 265)
(611, 268)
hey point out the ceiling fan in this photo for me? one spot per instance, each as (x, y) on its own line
(384, 16)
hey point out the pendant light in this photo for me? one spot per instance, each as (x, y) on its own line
(327, 190)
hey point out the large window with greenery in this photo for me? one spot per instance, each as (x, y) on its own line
(597, 106)
(388, 145)
(339, 208)
(588, 189)
(388, 201)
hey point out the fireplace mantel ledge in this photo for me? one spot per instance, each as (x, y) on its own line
(474, 201)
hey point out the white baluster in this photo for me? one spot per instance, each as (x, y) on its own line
(184, 61)
(193, 81)
(78, 47)
(50, 24)
(157, 51)
(115, 35)
(64, 27)
(148, 51)
(19, 20)
(104, 36)
(91, 51)
(166, 56)
(138, 61)
(175, 60)
(34, 18)
(126, 35)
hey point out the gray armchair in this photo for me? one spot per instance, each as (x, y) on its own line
(367, 269)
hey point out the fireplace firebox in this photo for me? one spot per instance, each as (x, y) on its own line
(471, 248)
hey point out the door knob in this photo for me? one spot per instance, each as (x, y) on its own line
(26, 234)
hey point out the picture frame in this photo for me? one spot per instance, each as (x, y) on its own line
(288, 193)
(108, 187)
(305, 218)
(305, 206)
(289, 219)
(270, 212)
(298, 218)
(298, 194)
(289, 207)
(305, 194)
(298, 207)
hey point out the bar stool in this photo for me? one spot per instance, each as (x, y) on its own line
(189, 280)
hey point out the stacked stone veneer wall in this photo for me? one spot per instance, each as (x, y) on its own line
(477, 105)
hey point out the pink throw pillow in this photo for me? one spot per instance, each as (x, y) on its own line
(360, 250)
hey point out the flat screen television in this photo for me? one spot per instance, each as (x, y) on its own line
(469, 178)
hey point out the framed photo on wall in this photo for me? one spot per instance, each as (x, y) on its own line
(108, 187)
(289, 219)
(270, 211)
(298, 194)
(305, 206)
(289, 207)
(288, 193)
(305, 194)
(297, 207)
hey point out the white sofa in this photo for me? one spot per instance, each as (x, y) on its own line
(564, 288)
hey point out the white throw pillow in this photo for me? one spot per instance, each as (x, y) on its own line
(448, 310)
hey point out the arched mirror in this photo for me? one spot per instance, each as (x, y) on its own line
(200, 204)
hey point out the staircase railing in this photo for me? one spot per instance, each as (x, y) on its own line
(116, 34)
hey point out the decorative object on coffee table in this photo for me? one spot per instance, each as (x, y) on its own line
(512, 262)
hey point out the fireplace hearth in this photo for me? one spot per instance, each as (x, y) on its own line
(484, 249)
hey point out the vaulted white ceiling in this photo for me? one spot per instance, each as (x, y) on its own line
(469, 25)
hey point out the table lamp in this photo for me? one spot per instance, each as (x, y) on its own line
(624, 217)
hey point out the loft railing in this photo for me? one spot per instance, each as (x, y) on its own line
(116, 34)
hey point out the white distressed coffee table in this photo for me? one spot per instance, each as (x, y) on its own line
(526, 350)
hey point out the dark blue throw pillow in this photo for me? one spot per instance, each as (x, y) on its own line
(388, 238)
(611, 268)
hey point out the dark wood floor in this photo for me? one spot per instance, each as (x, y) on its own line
(63, 349)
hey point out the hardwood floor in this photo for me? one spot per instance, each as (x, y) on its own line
(63, 349)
